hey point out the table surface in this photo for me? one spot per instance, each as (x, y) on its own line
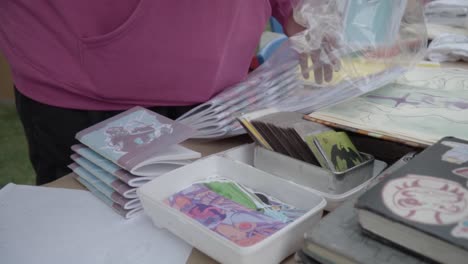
(205, 148)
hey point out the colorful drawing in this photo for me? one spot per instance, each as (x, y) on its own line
(461, 230)
(135, 133)
(463, 172)
(338, 150)
(133, 136)
(426, 199)
(424, 106)
(233, 221)
(458, 154)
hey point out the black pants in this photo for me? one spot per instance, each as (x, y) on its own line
(50, 132)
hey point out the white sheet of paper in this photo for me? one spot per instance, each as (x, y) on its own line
(50, 225)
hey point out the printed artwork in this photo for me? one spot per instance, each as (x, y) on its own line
(458, 154)
(241, 225)
(133, 136)
(423, 106)
(461, 230)
(128, 136)
(426, 199)
(463, 172)
(338, 150)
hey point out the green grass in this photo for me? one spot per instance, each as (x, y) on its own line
(14, 161)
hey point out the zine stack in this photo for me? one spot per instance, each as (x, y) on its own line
(122, 153)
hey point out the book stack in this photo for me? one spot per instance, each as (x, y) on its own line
(415, 214)
(122, 153)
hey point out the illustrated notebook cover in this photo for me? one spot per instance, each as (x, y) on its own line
(428, 197)
(135, 137)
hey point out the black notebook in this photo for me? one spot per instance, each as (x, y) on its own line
(424, 206)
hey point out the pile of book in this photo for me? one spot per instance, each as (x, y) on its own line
(120, 154)
(416, 212)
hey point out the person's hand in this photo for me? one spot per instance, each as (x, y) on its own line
(324, 62)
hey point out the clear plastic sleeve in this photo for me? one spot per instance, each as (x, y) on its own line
(349, 47)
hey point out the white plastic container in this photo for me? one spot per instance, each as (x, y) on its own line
(307, 175)
(273, 249)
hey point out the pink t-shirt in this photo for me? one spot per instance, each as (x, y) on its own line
(112, 55)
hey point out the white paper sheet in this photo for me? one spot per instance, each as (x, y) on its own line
(50, 225)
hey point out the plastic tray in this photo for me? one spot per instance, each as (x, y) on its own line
(335, 188)
(273, 249)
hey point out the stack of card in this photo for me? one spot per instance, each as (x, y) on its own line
(122, 153)
(289, 134)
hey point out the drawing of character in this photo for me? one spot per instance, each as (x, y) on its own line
(348, 155)
(461, 230)
(426, 199)
(181, 203)
(419, 99)
(135, 134)
(441, 79)
(247, 228)
(208, 215)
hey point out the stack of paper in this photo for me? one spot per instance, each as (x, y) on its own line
(120, 154)
(448, 47)
(447, 12)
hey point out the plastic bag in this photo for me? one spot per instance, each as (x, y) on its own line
(350, 47)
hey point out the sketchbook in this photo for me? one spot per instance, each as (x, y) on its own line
(420, 108)
(423, 206)
(140, 141)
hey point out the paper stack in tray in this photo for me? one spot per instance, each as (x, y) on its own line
(122, 153)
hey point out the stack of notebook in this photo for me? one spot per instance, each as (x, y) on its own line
(120, 154)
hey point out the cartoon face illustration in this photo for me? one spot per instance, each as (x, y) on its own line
(129, 137)
(425, 199)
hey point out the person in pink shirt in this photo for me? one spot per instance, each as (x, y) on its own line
(75, 63)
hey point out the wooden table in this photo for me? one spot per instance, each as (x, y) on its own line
(205, 148)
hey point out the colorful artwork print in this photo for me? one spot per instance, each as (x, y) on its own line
(457, 155)
(426, 199)
(463, 172)
(461, 230)
(242, 226)
(128, 137)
